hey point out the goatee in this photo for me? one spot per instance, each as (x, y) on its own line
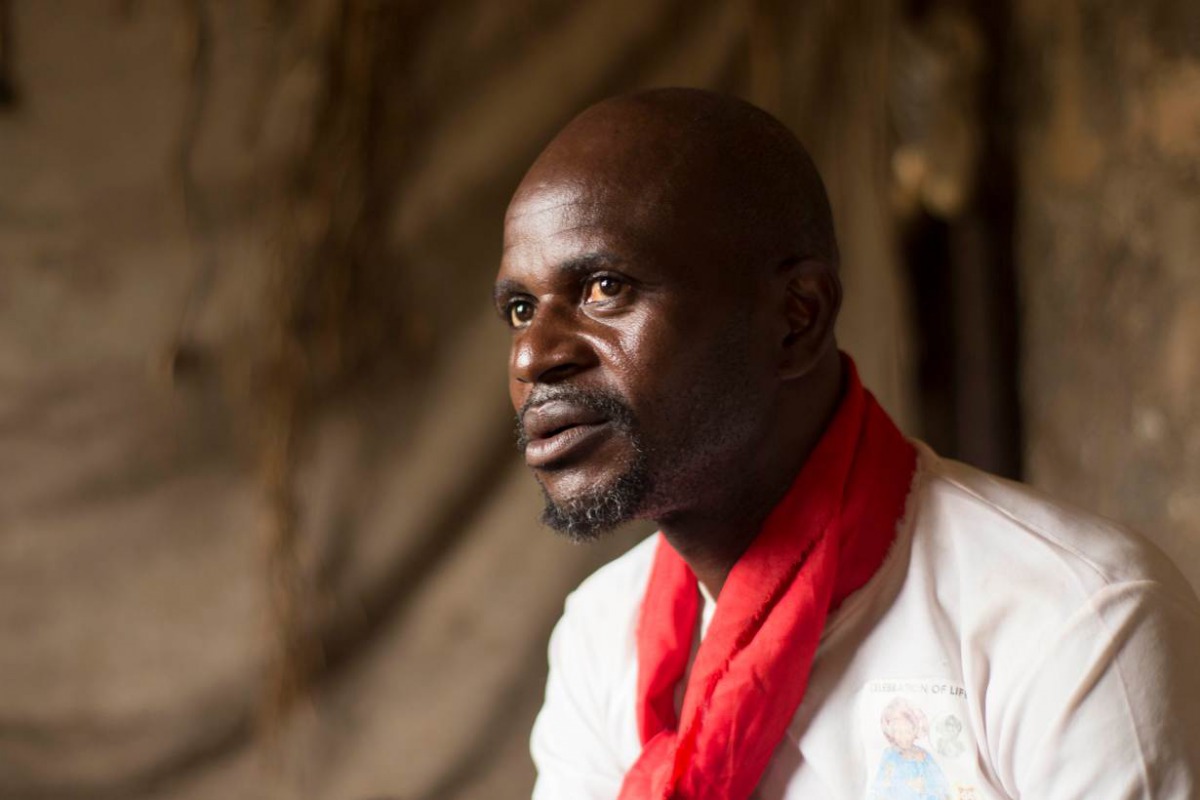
(587, 516)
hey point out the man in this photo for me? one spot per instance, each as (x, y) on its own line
(829, 610)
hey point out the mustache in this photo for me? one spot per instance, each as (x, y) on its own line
(610, 404)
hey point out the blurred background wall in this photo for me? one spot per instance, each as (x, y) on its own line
(263, 532)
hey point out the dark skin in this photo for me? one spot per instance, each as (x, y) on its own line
(642, 260)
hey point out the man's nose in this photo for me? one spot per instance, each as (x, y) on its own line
(551, 348)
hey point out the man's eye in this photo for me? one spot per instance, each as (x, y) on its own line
(520, 312)
(604, 288)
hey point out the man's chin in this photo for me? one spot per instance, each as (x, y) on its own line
(586, 515)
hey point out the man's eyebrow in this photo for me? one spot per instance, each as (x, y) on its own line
(587, 264)
(505, 287)
(580, 266)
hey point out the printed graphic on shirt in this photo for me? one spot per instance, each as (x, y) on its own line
(917, 743)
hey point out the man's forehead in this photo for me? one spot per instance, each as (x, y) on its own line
(573, 210)
(548, 204)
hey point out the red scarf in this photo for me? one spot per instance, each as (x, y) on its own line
(822, 542)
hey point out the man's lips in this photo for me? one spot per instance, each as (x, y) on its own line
(558, 429)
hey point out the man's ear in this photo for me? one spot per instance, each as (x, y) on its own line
(812, 297)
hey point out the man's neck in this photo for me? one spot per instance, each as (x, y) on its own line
(713, 537)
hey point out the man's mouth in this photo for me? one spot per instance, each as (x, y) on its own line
(560, 430)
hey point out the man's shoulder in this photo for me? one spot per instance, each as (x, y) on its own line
(1002, 522)
(1053, 619)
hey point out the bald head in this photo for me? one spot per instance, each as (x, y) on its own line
(694, 163)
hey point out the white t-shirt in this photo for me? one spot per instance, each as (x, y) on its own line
(1018, 649)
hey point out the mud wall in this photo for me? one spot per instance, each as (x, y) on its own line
(1109, 252)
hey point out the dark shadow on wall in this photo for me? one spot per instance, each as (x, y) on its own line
(962, 269)
(8, 87)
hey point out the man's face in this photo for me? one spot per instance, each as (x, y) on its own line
(634, 367)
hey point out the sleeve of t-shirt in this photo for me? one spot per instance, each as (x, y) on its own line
(1109, 708)
(571, 754)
